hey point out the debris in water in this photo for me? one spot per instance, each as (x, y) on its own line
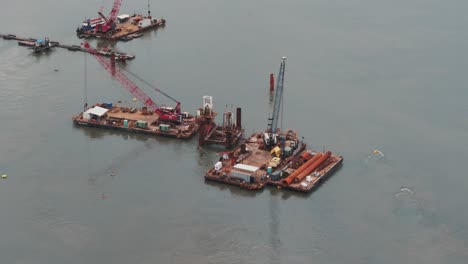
(378, 152)
(4, 176)
(405, 191)
(408, 190)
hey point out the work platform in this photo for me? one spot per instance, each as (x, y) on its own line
(135, 120)
(122, 31)
(251, 166)
(30, 42)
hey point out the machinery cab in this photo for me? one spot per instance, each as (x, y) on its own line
(207, 105)
(270, 139)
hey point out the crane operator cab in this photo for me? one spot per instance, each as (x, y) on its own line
(270, 139)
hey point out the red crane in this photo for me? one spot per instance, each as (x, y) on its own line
(165, 113)
(110, 19)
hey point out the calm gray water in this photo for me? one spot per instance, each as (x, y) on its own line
(360, 75)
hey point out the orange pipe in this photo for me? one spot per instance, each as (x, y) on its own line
(304, 166)
(310, 169)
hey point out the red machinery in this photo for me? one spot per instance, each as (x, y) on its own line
(110, 19)
(165, 113)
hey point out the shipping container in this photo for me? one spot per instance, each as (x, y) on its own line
(144, 22)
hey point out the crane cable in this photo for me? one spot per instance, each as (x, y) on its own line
(149, 84)
(85, 92)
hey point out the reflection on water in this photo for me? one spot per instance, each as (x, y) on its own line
(273, 225)
(233, 190)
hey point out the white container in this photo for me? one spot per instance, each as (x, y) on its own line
(144, 22)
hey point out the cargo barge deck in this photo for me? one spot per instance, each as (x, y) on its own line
(126, 30)
(252, 166)
(136, 121)
(311, 181)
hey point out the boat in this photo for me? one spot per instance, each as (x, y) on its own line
(42, 45)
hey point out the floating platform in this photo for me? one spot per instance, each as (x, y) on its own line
(251, 166)
(126, 30)
(135, 120)
(228, 134)
(220, 135)
(312, 181)
(27, 43)
(31, 42)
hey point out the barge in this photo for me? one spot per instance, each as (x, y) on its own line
(38, 45)
(305, 177)
(119, 56)
(274, 157)
(125, 29)
(135, 120)
(288, 165)
(227, 134)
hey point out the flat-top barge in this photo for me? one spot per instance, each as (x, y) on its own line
(127, 29)
(274, 157)
(306, 171)
(246, 166)
(118, 27)
(287, 165)
(136, 120)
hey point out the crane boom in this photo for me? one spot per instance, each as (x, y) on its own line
(115, 10)
(110, 19)
(273, 121)
(171, 115)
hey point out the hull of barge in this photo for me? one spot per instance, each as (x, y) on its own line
(115, 117)
(253, 157)
(210, 176)
(259, 161)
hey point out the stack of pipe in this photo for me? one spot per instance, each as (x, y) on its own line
(292, 176)
(312, 167)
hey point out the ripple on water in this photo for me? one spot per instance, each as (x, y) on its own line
(13, 64)
(70, 232)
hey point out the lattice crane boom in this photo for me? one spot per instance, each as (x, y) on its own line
(110, 19)
(115, 10)
(172, 115)
(273, 125)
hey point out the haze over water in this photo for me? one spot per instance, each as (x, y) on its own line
(360, 75)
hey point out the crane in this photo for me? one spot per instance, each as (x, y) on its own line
(110, 19)
(167, 114)
(270, 137)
